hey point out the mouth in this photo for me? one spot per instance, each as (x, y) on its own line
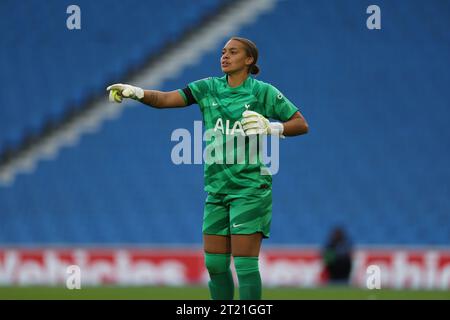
(225, 64)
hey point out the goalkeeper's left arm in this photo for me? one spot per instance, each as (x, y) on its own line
(296, 125)
(152, 98)
(255, 123)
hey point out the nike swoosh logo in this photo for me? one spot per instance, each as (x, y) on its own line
(214, 104)
(237, 225)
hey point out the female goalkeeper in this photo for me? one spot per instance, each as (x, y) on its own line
(238, 208)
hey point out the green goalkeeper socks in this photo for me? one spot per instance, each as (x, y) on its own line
(247, 270)
(221, 285)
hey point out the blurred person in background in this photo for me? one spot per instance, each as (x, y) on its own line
(337, 257)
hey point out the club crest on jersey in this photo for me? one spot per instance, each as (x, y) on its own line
(237, 127)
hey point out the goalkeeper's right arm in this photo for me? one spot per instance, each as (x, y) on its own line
(152, 98)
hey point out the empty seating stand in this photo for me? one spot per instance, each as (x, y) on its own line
(46, 69)
(375, 160)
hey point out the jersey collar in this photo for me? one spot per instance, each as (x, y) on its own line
(242, 85)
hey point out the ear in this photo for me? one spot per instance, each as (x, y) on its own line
(249, 60)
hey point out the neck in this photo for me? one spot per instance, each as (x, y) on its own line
(237, 78)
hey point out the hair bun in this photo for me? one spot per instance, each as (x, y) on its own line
(254, 69)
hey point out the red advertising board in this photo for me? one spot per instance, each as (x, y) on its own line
(399, 268)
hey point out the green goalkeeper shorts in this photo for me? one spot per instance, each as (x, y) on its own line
(226, 214)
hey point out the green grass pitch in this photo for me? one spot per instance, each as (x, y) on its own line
(201, 293)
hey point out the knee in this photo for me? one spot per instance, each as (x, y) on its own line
(217, 263)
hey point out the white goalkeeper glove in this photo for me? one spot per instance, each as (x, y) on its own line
(119, 91)
(254, 123)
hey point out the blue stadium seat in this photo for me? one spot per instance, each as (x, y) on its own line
(45, 70)
(375, 160)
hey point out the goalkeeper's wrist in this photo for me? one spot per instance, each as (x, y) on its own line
(276, 129)
(139, 93)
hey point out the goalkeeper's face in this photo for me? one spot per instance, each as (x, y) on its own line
(234, 57)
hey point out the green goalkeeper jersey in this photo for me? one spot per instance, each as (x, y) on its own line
(222, 107)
